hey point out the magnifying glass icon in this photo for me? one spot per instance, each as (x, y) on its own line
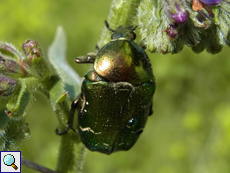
(9, 160)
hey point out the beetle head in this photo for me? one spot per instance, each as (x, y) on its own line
(122, 32)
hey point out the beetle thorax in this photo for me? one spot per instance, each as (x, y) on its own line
(122, 60)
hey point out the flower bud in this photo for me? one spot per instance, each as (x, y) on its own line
(34, 58)
(197, 5)
(29, 46)
(208, 2)
(12, 68)
(7, 85)
(180, 15)
(172, 32)
(32, 51)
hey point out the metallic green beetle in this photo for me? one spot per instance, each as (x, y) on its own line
(116, 96)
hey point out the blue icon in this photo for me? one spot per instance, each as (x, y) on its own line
(9, 160)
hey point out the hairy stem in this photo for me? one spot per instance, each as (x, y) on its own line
(36, 166)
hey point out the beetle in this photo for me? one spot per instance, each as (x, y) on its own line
(116, 96)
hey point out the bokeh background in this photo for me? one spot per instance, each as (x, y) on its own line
(189, 131)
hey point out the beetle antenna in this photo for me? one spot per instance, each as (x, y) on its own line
(134, 28)
(107, 26)
(97, 48)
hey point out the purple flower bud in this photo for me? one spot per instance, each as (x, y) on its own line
(7, 85)
(12, 67)
(197, 5)
(180, 16)
(172, 32)
(31, 50)
(34, 59)
(28, 46)
(211, 2)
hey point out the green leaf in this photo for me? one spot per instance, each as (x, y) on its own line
(16, 105)
(13, 131)
(56, 55)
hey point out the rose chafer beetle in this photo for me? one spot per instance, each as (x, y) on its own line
(116, 96)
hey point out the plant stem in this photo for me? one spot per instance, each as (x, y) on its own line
(36, 166)
(122, 12)
(71, 151)
(68, 158)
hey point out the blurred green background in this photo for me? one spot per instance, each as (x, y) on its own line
(189, 131)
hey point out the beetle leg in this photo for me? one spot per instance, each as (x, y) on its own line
(89, 58)
(71, 118)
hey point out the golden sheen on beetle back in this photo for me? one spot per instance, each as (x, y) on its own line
(125, 62)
